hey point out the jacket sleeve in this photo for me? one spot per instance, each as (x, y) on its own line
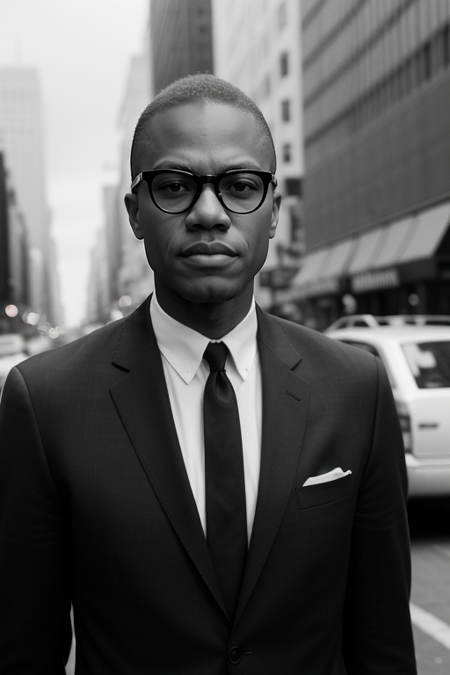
(35, 627)
(377, 633)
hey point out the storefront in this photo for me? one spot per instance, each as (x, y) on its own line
(402, 267)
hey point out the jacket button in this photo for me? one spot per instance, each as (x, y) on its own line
(235, 655)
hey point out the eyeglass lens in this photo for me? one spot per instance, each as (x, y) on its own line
(174, 192)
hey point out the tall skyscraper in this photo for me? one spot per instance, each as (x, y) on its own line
(134, 278)
(180, 39)
(21, 140)
(377, 155)
(14, 257)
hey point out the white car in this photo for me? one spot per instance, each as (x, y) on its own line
(12, 352)
(370, 321)
(417, 360)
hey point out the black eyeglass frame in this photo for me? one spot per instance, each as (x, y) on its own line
(266, 176)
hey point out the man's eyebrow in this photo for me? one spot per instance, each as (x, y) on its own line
(244, 165)
(179, 166)
(172, 165)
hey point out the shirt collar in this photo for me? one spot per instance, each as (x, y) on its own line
(184, 347)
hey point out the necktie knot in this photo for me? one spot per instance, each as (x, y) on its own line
(216, 355)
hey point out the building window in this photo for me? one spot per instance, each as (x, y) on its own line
(287, 153)
(284, 64)
(286, 110)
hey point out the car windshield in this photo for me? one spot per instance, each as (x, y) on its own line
(429, 363)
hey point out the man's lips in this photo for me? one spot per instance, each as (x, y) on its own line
(208, 249)
(209, 255)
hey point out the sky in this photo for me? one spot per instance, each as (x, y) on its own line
(81, 49)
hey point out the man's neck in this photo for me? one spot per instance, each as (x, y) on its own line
(212, 319)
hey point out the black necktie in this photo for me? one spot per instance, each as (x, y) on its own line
(226, 521)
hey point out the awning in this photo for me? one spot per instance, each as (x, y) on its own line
(330, 279)
(312, 268)
(322, 271)
(404, 241)
(368, 248)
(340, 257)
(373, 260)
(390, 241)
(431, 228)
(394, 242)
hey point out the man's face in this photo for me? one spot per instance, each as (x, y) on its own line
(204, 140)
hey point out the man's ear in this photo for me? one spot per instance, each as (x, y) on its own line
(131, 203)
(276, 203)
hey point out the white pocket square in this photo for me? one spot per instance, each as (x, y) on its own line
(335, 474)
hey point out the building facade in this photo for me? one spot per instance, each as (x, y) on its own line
(180, 39)
(376, 79)
(14, 258)
(99, 300)
(120, 278)
(135, 278)
(257, 47)
(21, 139)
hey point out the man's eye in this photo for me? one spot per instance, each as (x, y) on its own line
(175, 187)
(242, 187)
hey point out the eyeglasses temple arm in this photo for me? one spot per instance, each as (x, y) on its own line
(136, 181)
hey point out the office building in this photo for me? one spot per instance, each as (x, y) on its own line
(14, 257)
(134, 277)
(21, 140)
(180, 39)
(99, 301)
(376, 77)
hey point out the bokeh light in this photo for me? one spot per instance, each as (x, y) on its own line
(125, 301)
(32, 318)
(11, 311)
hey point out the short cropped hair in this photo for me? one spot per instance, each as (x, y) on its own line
(202, 89)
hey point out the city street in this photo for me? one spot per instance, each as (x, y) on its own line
(430, 545)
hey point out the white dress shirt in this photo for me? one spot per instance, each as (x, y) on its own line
(186, 373)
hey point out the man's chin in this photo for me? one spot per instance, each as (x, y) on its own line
(212, 292)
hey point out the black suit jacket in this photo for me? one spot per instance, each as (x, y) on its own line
(96, 510)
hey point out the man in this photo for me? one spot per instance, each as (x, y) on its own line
(115, 487)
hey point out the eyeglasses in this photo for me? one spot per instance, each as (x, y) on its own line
(177, 191)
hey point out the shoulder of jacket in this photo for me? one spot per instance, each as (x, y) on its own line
(313, 344)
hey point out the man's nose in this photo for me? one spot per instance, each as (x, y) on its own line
(207, 211)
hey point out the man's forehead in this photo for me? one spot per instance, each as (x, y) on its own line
(191, 129)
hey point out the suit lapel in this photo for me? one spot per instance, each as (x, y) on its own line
(142, 401)
(285, 407)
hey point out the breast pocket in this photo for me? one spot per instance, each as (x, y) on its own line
(324, 493)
